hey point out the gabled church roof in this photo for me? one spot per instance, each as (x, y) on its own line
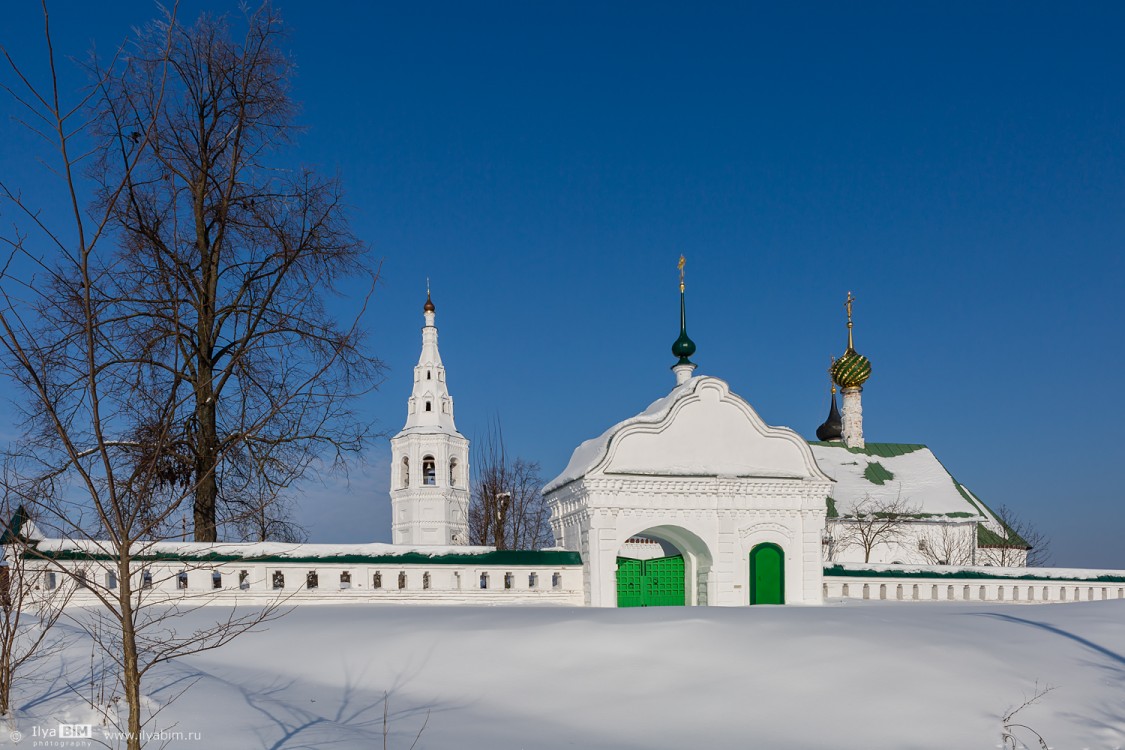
(883, 473)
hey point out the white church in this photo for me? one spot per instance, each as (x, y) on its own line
(695, 501)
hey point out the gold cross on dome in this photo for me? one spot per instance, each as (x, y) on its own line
(848, 305)
(680, 265)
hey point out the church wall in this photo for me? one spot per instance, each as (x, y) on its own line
(917, 542)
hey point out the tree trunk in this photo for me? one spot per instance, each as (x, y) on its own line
(206, 486)
(131, 678)
(206, 408)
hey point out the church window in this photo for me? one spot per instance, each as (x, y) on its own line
(49, 581)
(405, 479)
(402, 579)
(425, 580)
(181, 579)
(244, 579)
(453, 472)
(429, 471)
(346, 580)
(428, 406)
(533, 581)
(110, 580)
(508, 579)
(146, 579)
(556, 581)
(216, 580)
(312, 580)
(278, 579)
(484, 580)
(428, 375)
(378, 581)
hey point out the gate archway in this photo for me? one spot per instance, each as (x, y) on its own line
(661, 567)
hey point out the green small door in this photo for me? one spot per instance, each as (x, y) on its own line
(650, 583)
(767, 575)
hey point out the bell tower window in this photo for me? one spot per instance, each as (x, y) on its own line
(429, 471)
(453, 472)
(428, 406)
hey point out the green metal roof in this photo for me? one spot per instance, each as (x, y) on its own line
(876, 473)
(513, 558)
(14, 526)
(986, 537)
(838, 571)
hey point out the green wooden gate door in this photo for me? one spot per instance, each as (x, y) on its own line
(650, 583)
(767, 575)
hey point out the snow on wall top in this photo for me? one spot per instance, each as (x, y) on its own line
(915, 476)
(260, 549)
(699, 429)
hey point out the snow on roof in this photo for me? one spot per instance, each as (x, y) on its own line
(587, 455)
(886, 472)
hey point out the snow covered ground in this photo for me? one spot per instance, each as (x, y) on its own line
(854, 675)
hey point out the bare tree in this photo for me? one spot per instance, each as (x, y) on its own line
(873, 522)
(948, 544)
(28, 612)
(1012, 541)
(150, 371)
(228, 258)
(507, 509)
(1013, 732)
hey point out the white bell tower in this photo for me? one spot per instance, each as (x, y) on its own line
(429, 457)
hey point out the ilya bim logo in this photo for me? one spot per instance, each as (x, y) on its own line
(76, 731)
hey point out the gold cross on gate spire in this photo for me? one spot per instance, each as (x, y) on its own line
(680, 265)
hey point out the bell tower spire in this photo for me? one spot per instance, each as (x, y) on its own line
(430, 458)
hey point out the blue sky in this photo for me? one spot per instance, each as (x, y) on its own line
(958, 166)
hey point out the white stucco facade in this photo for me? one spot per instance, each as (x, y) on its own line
(701, 471)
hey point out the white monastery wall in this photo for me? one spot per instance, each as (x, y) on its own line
(249, 582)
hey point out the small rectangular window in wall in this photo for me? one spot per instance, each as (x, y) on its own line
(181, 579)
(216, 579)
